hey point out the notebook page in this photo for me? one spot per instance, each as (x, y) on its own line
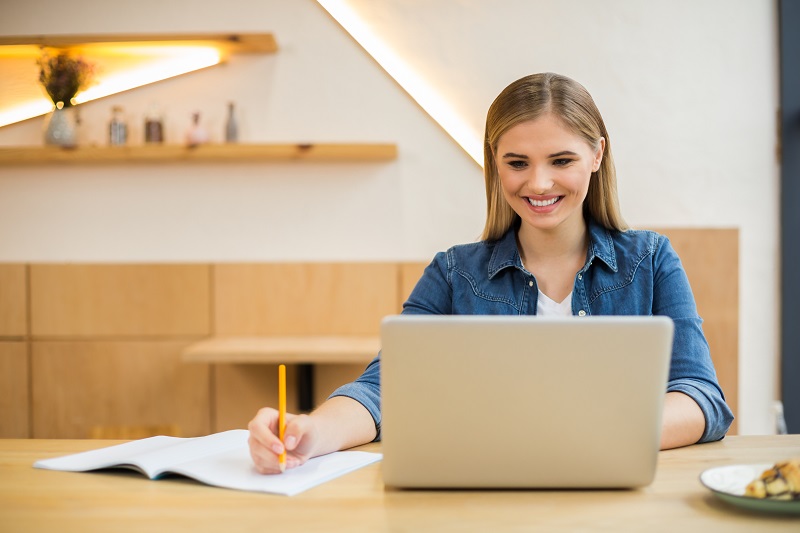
(233, 469)
(159, 461)
(121, 454)
(153, 456)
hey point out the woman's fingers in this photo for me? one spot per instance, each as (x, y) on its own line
(265, 446)
(299, 435)
(264, 429)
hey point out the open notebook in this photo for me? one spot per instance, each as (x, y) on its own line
(222, 459)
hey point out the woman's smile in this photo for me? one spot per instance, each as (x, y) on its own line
(540, 204)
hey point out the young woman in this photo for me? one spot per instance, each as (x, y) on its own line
(554, 244)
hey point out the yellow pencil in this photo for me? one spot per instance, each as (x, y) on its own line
(282, 412)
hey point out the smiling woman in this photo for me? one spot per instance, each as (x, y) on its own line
(544, 172)
(554, 243)
(567, 110)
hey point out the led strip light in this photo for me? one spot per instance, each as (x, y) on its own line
(419, 89)
(171, 61)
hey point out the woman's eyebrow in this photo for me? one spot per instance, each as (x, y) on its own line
(512, 155)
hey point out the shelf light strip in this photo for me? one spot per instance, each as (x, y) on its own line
(172, 62)
(417, 87)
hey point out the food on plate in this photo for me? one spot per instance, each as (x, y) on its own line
(781, 482)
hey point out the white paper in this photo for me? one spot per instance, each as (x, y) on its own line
(222, 459)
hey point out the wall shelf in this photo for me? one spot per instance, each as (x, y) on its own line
(261, 43)
(243, 153)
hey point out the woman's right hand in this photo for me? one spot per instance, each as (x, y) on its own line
(265, 446)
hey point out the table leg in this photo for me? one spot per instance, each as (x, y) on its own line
(305, 387)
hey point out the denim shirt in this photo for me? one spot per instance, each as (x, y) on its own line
(626, 273)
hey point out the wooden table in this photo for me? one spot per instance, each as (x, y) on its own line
(34, 500)
(305, 352)
(287, 350)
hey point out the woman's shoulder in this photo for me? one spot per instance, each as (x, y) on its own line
(469, 248)
(467, 256)
(637, 244)
(469, 252)
(640, 237)
(625, 246)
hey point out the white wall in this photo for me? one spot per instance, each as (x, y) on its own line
(319, 87)
(688, 89)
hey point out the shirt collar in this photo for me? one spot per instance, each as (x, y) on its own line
(601, 245)
(506, 253)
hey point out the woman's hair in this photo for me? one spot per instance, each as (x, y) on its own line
(528, 99)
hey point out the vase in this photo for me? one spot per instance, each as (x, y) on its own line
(61, 128)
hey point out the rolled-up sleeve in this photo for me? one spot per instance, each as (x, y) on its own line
(366, 390)
(691, 368)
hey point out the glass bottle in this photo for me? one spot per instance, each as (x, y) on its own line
(196, 134)
(231, 127)
(153, 126)
(117, 129)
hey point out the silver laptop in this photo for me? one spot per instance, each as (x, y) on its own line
(522, 402)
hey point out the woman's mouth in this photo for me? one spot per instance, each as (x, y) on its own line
(543, 203)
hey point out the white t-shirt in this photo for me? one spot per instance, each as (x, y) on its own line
(547, 307)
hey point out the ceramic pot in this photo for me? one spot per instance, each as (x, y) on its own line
(61, 128)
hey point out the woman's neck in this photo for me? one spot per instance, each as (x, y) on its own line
(568, 243)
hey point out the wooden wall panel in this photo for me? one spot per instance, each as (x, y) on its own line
(120, 300)
(241, 390)
(81, 389)
(711, 260)
(409, 276)
(87, 382)
(328, 378)
(304, 298)
(14, 397)
(13, 300)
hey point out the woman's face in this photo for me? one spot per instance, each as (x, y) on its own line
(544, 171)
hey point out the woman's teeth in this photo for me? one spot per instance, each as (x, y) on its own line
(543, 203)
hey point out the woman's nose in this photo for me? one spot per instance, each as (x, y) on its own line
(540, 181)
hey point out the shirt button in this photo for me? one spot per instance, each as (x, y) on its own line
(580, 276)
(530, 284)
(581, 313)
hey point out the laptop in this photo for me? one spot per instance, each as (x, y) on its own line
(522, 401)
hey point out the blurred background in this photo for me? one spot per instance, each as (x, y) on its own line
(688, 90)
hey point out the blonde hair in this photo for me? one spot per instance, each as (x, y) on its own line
(527, 99)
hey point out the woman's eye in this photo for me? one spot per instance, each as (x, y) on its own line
(562, 162)
(518, 164)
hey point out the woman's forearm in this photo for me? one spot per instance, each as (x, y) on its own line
(342, 423)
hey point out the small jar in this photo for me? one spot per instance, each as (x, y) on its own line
(153, 126)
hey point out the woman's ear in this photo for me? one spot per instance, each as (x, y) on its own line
(598, 155)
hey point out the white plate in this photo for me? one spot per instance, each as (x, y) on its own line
(728, 484)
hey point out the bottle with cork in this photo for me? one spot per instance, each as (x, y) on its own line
(117, 128)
